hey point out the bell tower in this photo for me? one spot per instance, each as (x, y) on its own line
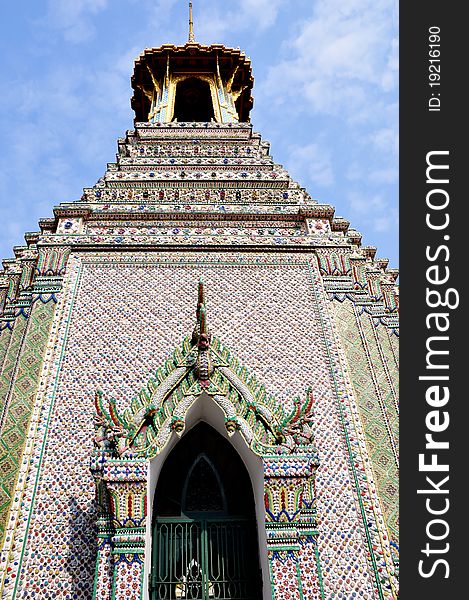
(192, 83)
(198, 370)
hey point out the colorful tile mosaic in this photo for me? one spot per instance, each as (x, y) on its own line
(20, 399)
(104, 349)
(11, 357)
(378, 408)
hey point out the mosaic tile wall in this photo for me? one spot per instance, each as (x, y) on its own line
(5, 336)
(266, 313)
(20, 397)
(373, 371)
(15, 341)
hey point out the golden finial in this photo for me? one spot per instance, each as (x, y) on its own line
(191, 26)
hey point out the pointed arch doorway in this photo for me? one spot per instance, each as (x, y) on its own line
(204, 532)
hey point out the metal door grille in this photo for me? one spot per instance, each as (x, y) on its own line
(206, 559)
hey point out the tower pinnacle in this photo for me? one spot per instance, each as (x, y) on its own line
(191, 38)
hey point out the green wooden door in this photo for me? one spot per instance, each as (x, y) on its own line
(204, 559)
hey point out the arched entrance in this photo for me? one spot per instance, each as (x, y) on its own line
(204, 532)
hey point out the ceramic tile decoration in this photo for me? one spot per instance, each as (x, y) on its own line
(197, 281)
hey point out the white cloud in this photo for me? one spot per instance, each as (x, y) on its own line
(378, 164)
(161, 24)
(332, 96)
(390, 75)
(214, 20)
(342, 56)
(70, 117)
(354, 171)
(385, 139)
(73, 17)
(383, 176)
(383, 147)
(364, 204)
(374, 211)
(382, 224)
(340, 71)
(313, 161)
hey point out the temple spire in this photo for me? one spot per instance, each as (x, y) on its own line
(191, 26)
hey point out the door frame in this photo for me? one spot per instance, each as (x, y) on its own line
(206, 410)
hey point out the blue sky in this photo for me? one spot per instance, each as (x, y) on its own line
(325, 96)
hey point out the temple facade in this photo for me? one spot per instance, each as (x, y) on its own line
(198, 371)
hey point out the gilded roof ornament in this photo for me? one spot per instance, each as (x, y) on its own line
(191, 39)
